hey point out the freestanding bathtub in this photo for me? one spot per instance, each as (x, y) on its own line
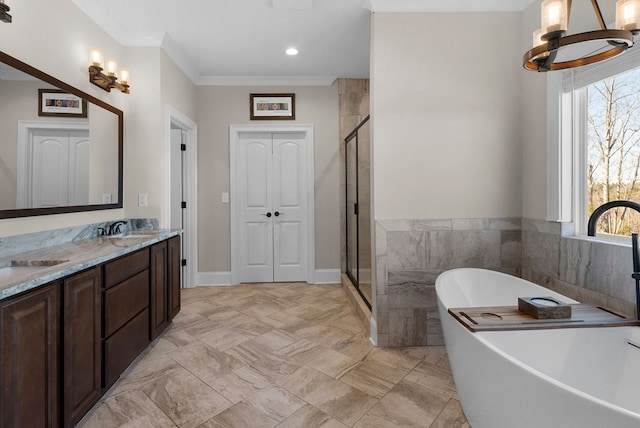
(564, 378)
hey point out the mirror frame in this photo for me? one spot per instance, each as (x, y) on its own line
(26, 212)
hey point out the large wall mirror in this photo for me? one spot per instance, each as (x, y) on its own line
(60, 148)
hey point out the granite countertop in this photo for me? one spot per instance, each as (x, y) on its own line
(30, 269)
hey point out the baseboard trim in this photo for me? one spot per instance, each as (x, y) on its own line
(373, 331)
(214, 278)
(323, 276)
(327, 276)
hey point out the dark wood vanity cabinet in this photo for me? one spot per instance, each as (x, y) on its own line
(165, 284)
(159, 289)
(29, 359)
(63, 344)
(174, 275)
(126, 312)
(82, 353)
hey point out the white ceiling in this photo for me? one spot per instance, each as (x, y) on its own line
(242, 42)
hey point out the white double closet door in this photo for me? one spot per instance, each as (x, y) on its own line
(272, 206)
(54, 168)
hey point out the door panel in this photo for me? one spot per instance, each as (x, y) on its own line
(79, 161)
(289, 245)
(290, 201)
(258, 251)
(50, 168)
(288, 170)
(258, 162)
(254, 202)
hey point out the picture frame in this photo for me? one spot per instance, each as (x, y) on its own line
(56, 102)
(272, 106)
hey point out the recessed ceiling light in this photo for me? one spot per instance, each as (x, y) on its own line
(291, 51)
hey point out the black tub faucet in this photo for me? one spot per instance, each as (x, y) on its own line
(591, 231)
(636, 270)
(593, 219)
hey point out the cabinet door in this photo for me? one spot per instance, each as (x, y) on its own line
(82, 350)
(174, 276)
(158, 296)
(29, 366)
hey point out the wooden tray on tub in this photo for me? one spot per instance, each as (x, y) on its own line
(498, 318)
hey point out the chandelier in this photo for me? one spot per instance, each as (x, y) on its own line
(551, 37)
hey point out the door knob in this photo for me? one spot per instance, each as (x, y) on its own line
(267, 214)
(276, 213)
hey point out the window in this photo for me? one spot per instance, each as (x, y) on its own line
(594, 144)
(613, 150)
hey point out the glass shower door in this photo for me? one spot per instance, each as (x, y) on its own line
(358, 209)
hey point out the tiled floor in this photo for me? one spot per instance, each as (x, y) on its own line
(285, 355)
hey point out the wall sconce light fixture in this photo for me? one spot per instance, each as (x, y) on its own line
(4, 9)
(107, 80)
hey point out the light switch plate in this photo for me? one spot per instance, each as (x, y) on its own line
(225, 198)
(142, 199)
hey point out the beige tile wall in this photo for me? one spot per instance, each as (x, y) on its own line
(410, 254)
(591, 272)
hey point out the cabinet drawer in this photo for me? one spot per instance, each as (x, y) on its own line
(124, 346)
(125, 267)
(124, 301)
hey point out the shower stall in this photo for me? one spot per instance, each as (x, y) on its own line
(358, 209)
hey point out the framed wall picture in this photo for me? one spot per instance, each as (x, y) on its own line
(54, 102)
(273, 106)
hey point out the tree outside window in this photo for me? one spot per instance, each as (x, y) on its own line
(613, 153)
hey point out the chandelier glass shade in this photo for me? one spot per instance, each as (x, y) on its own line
(551, 37)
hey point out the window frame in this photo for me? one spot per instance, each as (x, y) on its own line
(567, 140)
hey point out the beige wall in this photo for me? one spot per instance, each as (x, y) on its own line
(446, 115)
(177, 90)
(533, 90)
(63, 54)
(154, 81)
(219, 107)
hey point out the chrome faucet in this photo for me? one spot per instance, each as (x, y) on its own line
(635, 257)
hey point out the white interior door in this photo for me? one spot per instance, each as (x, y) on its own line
(79, 161)
(177, 186)
(59, 167)
(182, 186)
(255, 201)
(272, 206)
(289, 181)
(50, 168)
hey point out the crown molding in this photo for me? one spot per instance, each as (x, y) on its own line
(446, 5)
(266, 80)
